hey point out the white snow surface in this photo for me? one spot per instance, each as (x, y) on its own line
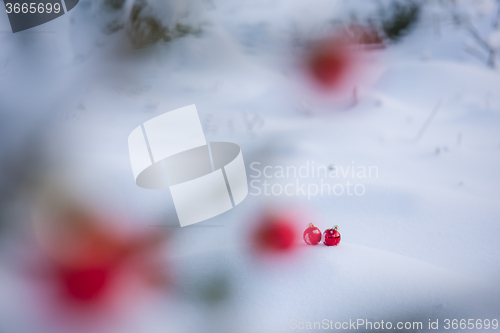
(421, 243)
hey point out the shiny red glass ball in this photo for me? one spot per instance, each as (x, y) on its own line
(312, 235)
(331, 237)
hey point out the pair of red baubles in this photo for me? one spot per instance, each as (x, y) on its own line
(312, 236)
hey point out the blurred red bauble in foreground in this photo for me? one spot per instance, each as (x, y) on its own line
(275, 235)
(85, 283)
(331, 236)
(91, 263)
(312, 235)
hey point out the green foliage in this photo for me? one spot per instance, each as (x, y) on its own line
(114, 4)
(401, 19)
(146, 30)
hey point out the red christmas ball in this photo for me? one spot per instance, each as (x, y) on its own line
(329, 66)
(331, 236)
(86, 283)
(275, 235)
(312, 235)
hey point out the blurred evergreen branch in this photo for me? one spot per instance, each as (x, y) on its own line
(400, 20)
(144, 27)
(114, 4)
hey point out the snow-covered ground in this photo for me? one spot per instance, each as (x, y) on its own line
(421, 242)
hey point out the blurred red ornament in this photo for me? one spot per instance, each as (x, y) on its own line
(85, 283)
(331, 236)
(90, 261)
(336, 64)
(312, 235)
(329, 64)
(275, 235)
